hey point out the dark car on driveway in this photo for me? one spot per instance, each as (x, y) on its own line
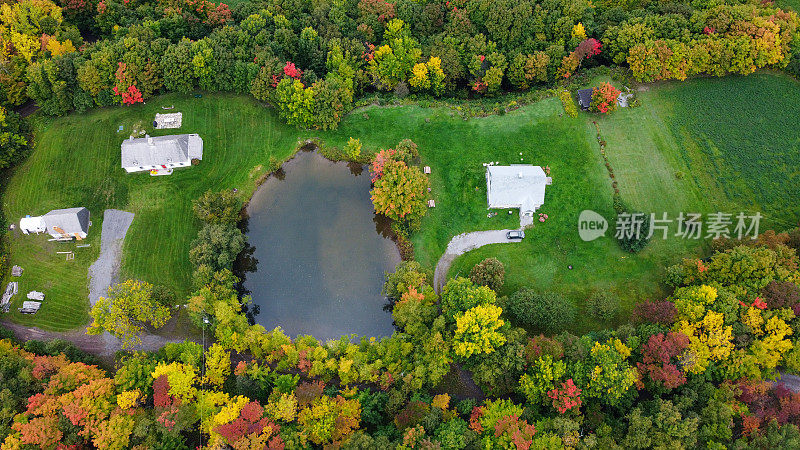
(515, 234)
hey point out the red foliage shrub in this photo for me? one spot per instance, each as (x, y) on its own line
(781, 294)
(766, 402)
(411, 415)
(385, 11)
(307, 392)
(161, 397)
(588, 48)
(379, 161)
(475, 419)
(542, 345)
(521, 431)
(658, 355)
(604, 98)
(658, 312)
(291, 71)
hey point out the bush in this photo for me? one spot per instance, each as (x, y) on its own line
(407, 151)
(489, 272)
(634, 242)
(353, 149)
(602, 306)
(604, 98)
(794, 240)
(779, 294)
(658, 312)
(218, 207)
(569, 104)
(549, 312)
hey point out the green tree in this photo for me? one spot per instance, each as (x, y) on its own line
(399, 193)
(295, 103)
(665, 427)
(217, 246)
(490, 273)
(130, 306)
(218, 207)
(178, 67)
(461, 294)
(13, 140)
(392, 62)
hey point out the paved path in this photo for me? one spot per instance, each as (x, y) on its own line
(463, 243)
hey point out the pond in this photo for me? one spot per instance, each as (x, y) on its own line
(321, 252)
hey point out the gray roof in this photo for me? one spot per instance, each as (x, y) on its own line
(585, 97)
(161, 150)
(71, 220)
(516, 186)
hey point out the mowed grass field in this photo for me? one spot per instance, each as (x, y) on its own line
(703, 146)
(691, 147)
(76, 162)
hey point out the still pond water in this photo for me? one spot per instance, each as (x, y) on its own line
(321, 258)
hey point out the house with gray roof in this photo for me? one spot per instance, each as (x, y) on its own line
(517, 186)
(161, 152)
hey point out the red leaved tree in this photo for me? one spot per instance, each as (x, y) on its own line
(566, 397)
(659, 359)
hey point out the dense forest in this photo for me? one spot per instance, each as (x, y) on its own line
(311, 59)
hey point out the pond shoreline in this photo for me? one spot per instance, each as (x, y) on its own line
(317, 252)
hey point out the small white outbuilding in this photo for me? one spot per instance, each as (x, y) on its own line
(30, 225)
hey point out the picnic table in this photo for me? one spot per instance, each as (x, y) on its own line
(36, 295)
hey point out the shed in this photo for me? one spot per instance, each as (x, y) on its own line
(30, 307)
(66, 224)
(585, 98)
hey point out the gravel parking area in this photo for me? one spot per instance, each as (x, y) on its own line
(105, 270)
(463, 243)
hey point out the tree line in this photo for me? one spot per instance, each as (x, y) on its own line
(311, 59)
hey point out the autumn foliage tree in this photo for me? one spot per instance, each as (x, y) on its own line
(604, 98)
(399, 193)
(129, 307)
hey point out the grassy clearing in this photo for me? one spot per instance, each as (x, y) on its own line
(76, 163)
(700, 146)
(705, 145)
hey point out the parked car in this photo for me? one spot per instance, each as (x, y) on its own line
(515, 234)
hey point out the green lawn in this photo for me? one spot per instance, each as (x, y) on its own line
(76, 163)
(705, 145)
(700, 146)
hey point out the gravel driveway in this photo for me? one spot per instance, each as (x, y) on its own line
(462, 244)
(105, 270)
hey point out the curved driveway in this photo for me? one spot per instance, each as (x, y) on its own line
(462, 244)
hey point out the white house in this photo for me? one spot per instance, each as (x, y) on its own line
(516, 186)
(61, 224)
(161, 152)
